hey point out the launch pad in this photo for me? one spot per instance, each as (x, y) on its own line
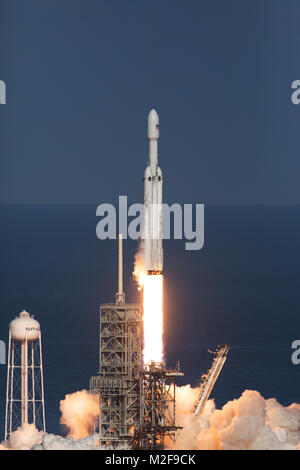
(137, 396)
(136, 401)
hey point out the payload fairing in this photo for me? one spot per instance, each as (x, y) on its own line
(153, 201)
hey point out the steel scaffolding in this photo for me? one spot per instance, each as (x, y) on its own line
(117, 382)
(137, 402)
(120, 360)
(209, 379)
(157, 407)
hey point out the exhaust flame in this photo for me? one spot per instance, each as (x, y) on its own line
(153, 319)
(152, 286)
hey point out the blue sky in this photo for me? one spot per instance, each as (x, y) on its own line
(82, 76)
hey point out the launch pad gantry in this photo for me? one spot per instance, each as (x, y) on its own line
(137, 402)
(157, 406)
(120, 359)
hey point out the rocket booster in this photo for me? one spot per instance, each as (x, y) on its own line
(153, 201)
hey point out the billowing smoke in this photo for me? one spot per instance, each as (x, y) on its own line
(28, 437)
(79, 413)
(24, 438)
(248, 423)
(52, 442)
(139, 270)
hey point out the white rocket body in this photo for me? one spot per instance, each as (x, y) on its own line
(153, 201)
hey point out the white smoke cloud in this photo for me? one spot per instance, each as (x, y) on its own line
(24, 438)
(28, 437)
(248, 423)
(139, 270)
(79, 413)
(52, 442)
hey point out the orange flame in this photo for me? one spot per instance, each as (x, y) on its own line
(152, 286)
(153, 318)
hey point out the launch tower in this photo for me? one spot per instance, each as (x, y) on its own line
(120, 361)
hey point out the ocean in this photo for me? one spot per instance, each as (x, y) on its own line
(241, 289)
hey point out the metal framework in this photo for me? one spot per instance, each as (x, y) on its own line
(157, 407)
(117, 382)
(137, 402)
(25, 388)
(119, 362)
(209, 379)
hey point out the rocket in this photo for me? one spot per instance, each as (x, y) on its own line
(153, 201)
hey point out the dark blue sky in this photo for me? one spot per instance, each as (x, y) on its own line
(82, 75)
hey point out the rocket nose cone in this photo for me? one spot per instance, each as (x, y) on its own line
(153, 116)
(153, 125)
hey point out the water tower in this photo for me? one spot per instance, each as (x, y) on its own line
(25, 387)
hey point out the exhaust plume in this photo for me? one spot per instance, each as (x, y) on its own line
(249, 423)
(80, 411)
(152, 286)
(24, 438)
(139, 270)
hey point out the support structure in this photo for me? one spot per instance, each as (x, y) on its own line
(209, 379)
(157, 407)
(25, 388)
(120, 361)
(137, 401)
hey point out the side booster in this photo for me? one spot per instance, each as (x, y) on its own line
(153, 201)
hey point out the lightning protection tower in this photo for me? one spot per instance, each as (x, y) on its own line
(25, 388)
